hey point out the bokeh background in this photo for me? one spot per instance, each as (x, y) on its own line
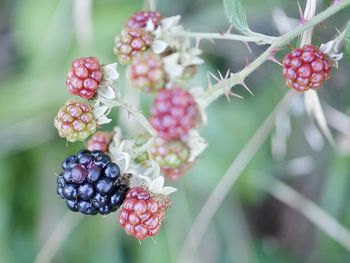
(39, 39)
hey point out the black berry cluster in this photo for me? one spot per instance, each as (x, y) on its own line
(91, 183)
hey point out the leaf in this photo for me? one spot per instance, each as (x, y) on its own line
(236, 16)
(347, 41)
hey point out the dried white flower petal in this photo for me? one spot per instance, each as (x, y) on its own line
(196, 143)
(159, 46)
(110, 72)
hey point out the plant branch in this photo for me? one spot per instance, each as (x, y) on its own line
(259, 39)
(217, 196)
(56, 239)
(310, 210)
(238, 78)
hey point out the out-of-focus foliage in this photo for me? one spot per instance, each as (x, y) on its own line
(37, 44)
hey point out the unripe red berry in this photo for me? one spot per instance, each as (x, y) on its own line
(173, 113)
(140, 19)
(143, 212)
(306, 68)
(146, 72)
(75, 121)
(175, 173)
(84, 77)
(130, 43)
(99, 141)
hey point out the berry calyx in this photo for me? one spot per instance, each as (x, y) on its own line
(146, 72)
(173, 113)
(75, 121)
(130, 43)
(84, 77)
(100, 141)
(306, 68)
(143, 212)
(91, 183)
(140, 19)
(169, 154)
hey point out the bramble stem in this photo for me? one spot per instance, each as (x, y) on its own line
(238, 78)
(259, 39)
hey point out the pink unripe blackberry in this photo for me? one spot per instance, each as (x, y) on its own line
(84, 77)
(99, 141)
(143, 212)
(140, 19)
(173, 113)
(146, 72)
(130, 43)
(169, 154)
(75, 121)
(306, 68)
(175, 173)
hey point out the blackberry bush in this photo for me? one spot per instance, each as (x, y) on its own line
(91, 183)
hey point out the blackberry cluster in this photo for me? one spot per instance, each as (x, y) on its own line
(91, 183)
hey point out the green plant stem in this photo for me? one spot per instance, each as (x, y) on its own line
(259, 39)
(309, 209)
(237, 166)
(238, 78)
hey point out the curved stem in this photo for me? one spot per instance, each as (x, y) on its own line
(217, 196)
(259, 39)
(238, 78)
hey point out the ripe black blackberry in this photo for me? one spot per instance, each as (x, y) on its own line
(91, 183)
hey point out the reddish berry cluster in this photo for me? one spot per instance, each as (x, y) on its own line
(99, 141)
(75, 121)
(140, 19)
(306, 68)
(173, 113)
(142, 212)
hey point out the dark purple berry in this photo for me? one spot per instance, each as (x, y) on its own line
(72, 205)
(94, 174)
(112, 171)
(86, 191)
(70, 192)
(104, 186)
(99, 200)
(91, 185)
(86, 208)
(69, 162)
(79, 173)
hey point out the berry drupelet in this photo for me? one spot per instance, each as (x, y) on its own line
(84, 77)
(91, 183)
(140, 19)
(75, 121)
(130, 43)
(173, 113)
(306, 68)
(100, 141)
(142, 212)
(146, 72)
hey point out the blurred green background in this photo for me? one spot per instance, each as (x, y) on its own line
(39, 39)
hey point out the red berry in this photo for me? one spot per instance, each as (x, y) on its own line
(75, 121)
(146, 72)
(306, 68)
(173, 113)
(99, 141)
(84, 77)
(142, 212)
(140, 19)
(130, 43)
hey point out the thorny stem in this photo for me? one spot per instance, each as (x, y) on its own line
(238, 78)
(259, 39)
